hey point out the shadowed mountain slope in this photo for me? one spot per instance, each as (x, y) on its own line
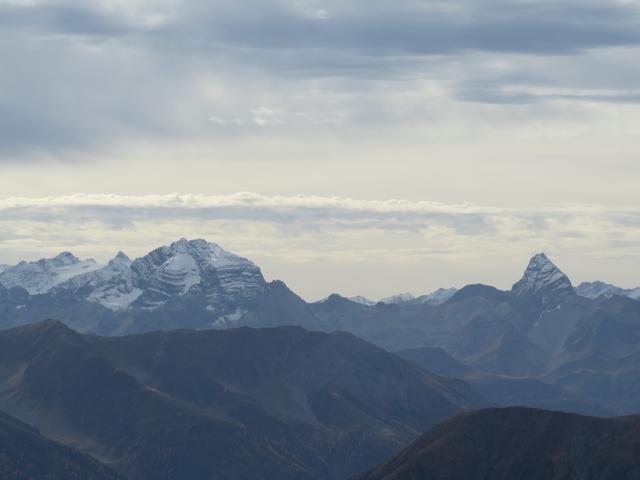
(27, 455)
(501, 389)
(243, 403)
(523, 444)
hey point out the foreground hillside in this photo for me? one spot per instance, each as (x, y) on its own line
(27, 455)
(523, 444)
(236, 404)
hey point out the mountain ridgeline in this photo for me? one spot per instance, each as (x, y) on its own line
(574, 349)
(187, 363)
(244, 403)
(523, 444)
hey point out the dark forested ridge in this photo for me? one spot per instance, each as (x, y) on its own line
(523, 444)
(245, 403)
(27, 455)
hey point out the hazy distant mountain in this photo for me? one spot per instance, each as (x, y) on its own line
(193, 280)
(27, 455)
(538, 345)
(539, 329)
(398, 298)
(113, 286)
(439, 296)
(434, 298)
(362, 300)
(41, 276)
(600, 289)
(236, 404)
(523, 444)
(183, 269)
(501, 389)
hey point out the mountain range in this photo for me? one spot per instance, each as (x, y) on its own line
(187, 363)
(551, 345)
(243, 403)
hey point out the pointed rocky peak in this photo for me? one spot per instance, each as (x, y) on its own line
(205, 254)
(336, 300)
(181, 246)
(120, 262)
(542, 278)
(64, 259)
(333, 298)
(122, 256)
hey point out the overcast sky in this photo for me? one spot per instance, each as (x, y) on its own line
(385, 145)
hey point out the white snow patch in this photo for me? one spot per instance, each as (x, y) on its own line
(183, 268)
(399, 298)
(228, 319)
(115, 299)
(362, 300)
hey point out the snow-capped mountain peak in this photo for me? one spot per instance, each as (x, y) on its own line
(189, 266)
(112, 286)
(362, 300)
(542, 277)
(63, 259)
(399, 298)
(438, 297)
(44, 274)
(121, 258)
(599, 289)
(185, 267)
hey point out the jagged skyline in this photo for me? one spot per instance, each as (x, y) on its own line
(137, 122)
(115, 285)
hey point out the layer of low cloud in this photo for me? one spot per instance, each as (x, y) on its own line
(323, 244)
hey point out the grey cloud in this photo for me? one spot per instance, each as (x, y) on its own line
(381, 27)
(81, 76)
(310, 212)
(62, 19)
(498, 96)
(282, 233)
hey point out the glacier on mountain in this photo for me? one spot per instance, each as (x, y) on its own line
(41, 276)
(183, 268)
(112, 286)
